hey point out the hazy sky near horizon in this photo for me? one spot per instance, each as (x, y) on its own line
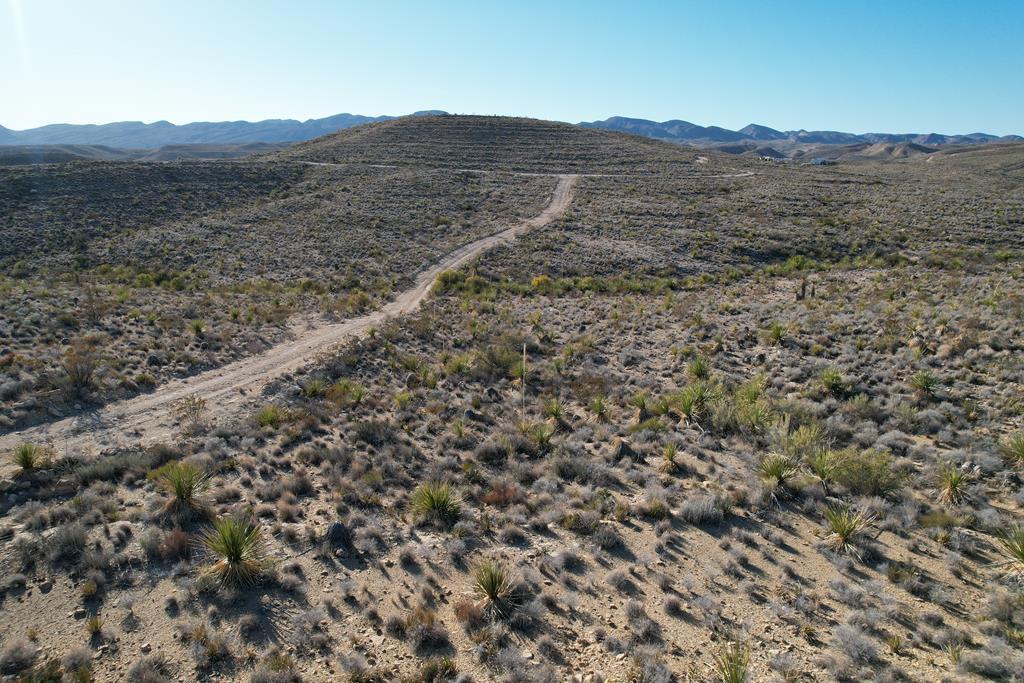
(867, 66)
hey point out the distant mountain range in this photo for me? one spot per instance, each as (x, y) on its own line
(138, 135)
(691, 133)
(750, 139)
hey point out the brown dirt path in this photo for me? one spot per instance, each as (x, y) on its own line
(146, 419)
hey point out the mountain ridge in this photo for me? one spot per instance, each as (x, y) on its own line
(139, 135)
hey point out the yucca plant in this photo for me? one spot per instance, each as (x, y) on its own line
(238, 543)
(1012, 540)
(776, 333)
(669, 464)
(833, 382)
(555, 410)
(825, 464)
(845, 526)
(270, 416)
(699, 368)
(692, 401)
(29, 456)
(640, 401)
(952, 484)
(315, 388)
(599, 408)
(495, 587)
(924, 383)
(1013, 448)
(777, 470)
(731, 663)
(185, 483)
(436, 502)
(541, 436)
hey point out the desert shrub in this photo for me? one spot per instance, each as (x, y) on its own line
(1013, 448)
(79, 368)
(374, 432)
(185, 483)
(867, 473)
(270, 415)
(845, 526)
(496, 588)
(952, 484)
(438, 670)
(436, 502)
(497, 362)
(704, 509)
(17, 655)
(731, 662)
(1012, 541)
(150, 669)
(30, 456)
(833, 382)
(423, 630)
(174, 545)
(67, 543)
(924, 383)
(238, 543)
(190, 410)
(852, 642)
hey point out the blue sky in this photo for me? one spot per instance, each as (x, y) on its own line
(896, 66)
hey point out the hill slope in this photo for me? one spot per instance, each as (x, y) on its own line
(492, 143)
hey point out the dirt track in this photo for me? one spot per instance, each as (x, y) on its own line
(227, 390)
(145, 418)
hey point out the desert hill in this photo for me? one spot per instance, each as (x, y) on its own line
(493, 143)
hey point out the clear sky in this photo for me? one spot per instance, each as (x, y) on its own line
(883, 66)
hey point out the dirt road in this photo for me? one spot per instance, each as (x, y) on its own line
(146, 419)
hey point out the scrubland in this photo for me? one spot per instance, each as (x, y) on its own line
(751, 428)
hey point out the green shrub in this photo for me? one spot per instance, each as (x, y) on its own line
(833, 382)
(845, 526)
(271, 416)
(314, 388)
(924, 383)
(731, 663)
(30, 456)
(952, 483)
(1013, 448)
(238, 543)
(692, 401)
(185, 483)
(699, 368)
(1012, 541)
(495, 587)
(437, 502)
(777, 470)
(867, 473)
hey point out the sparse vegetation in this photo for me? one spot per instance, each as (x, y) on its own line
(685, 433)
